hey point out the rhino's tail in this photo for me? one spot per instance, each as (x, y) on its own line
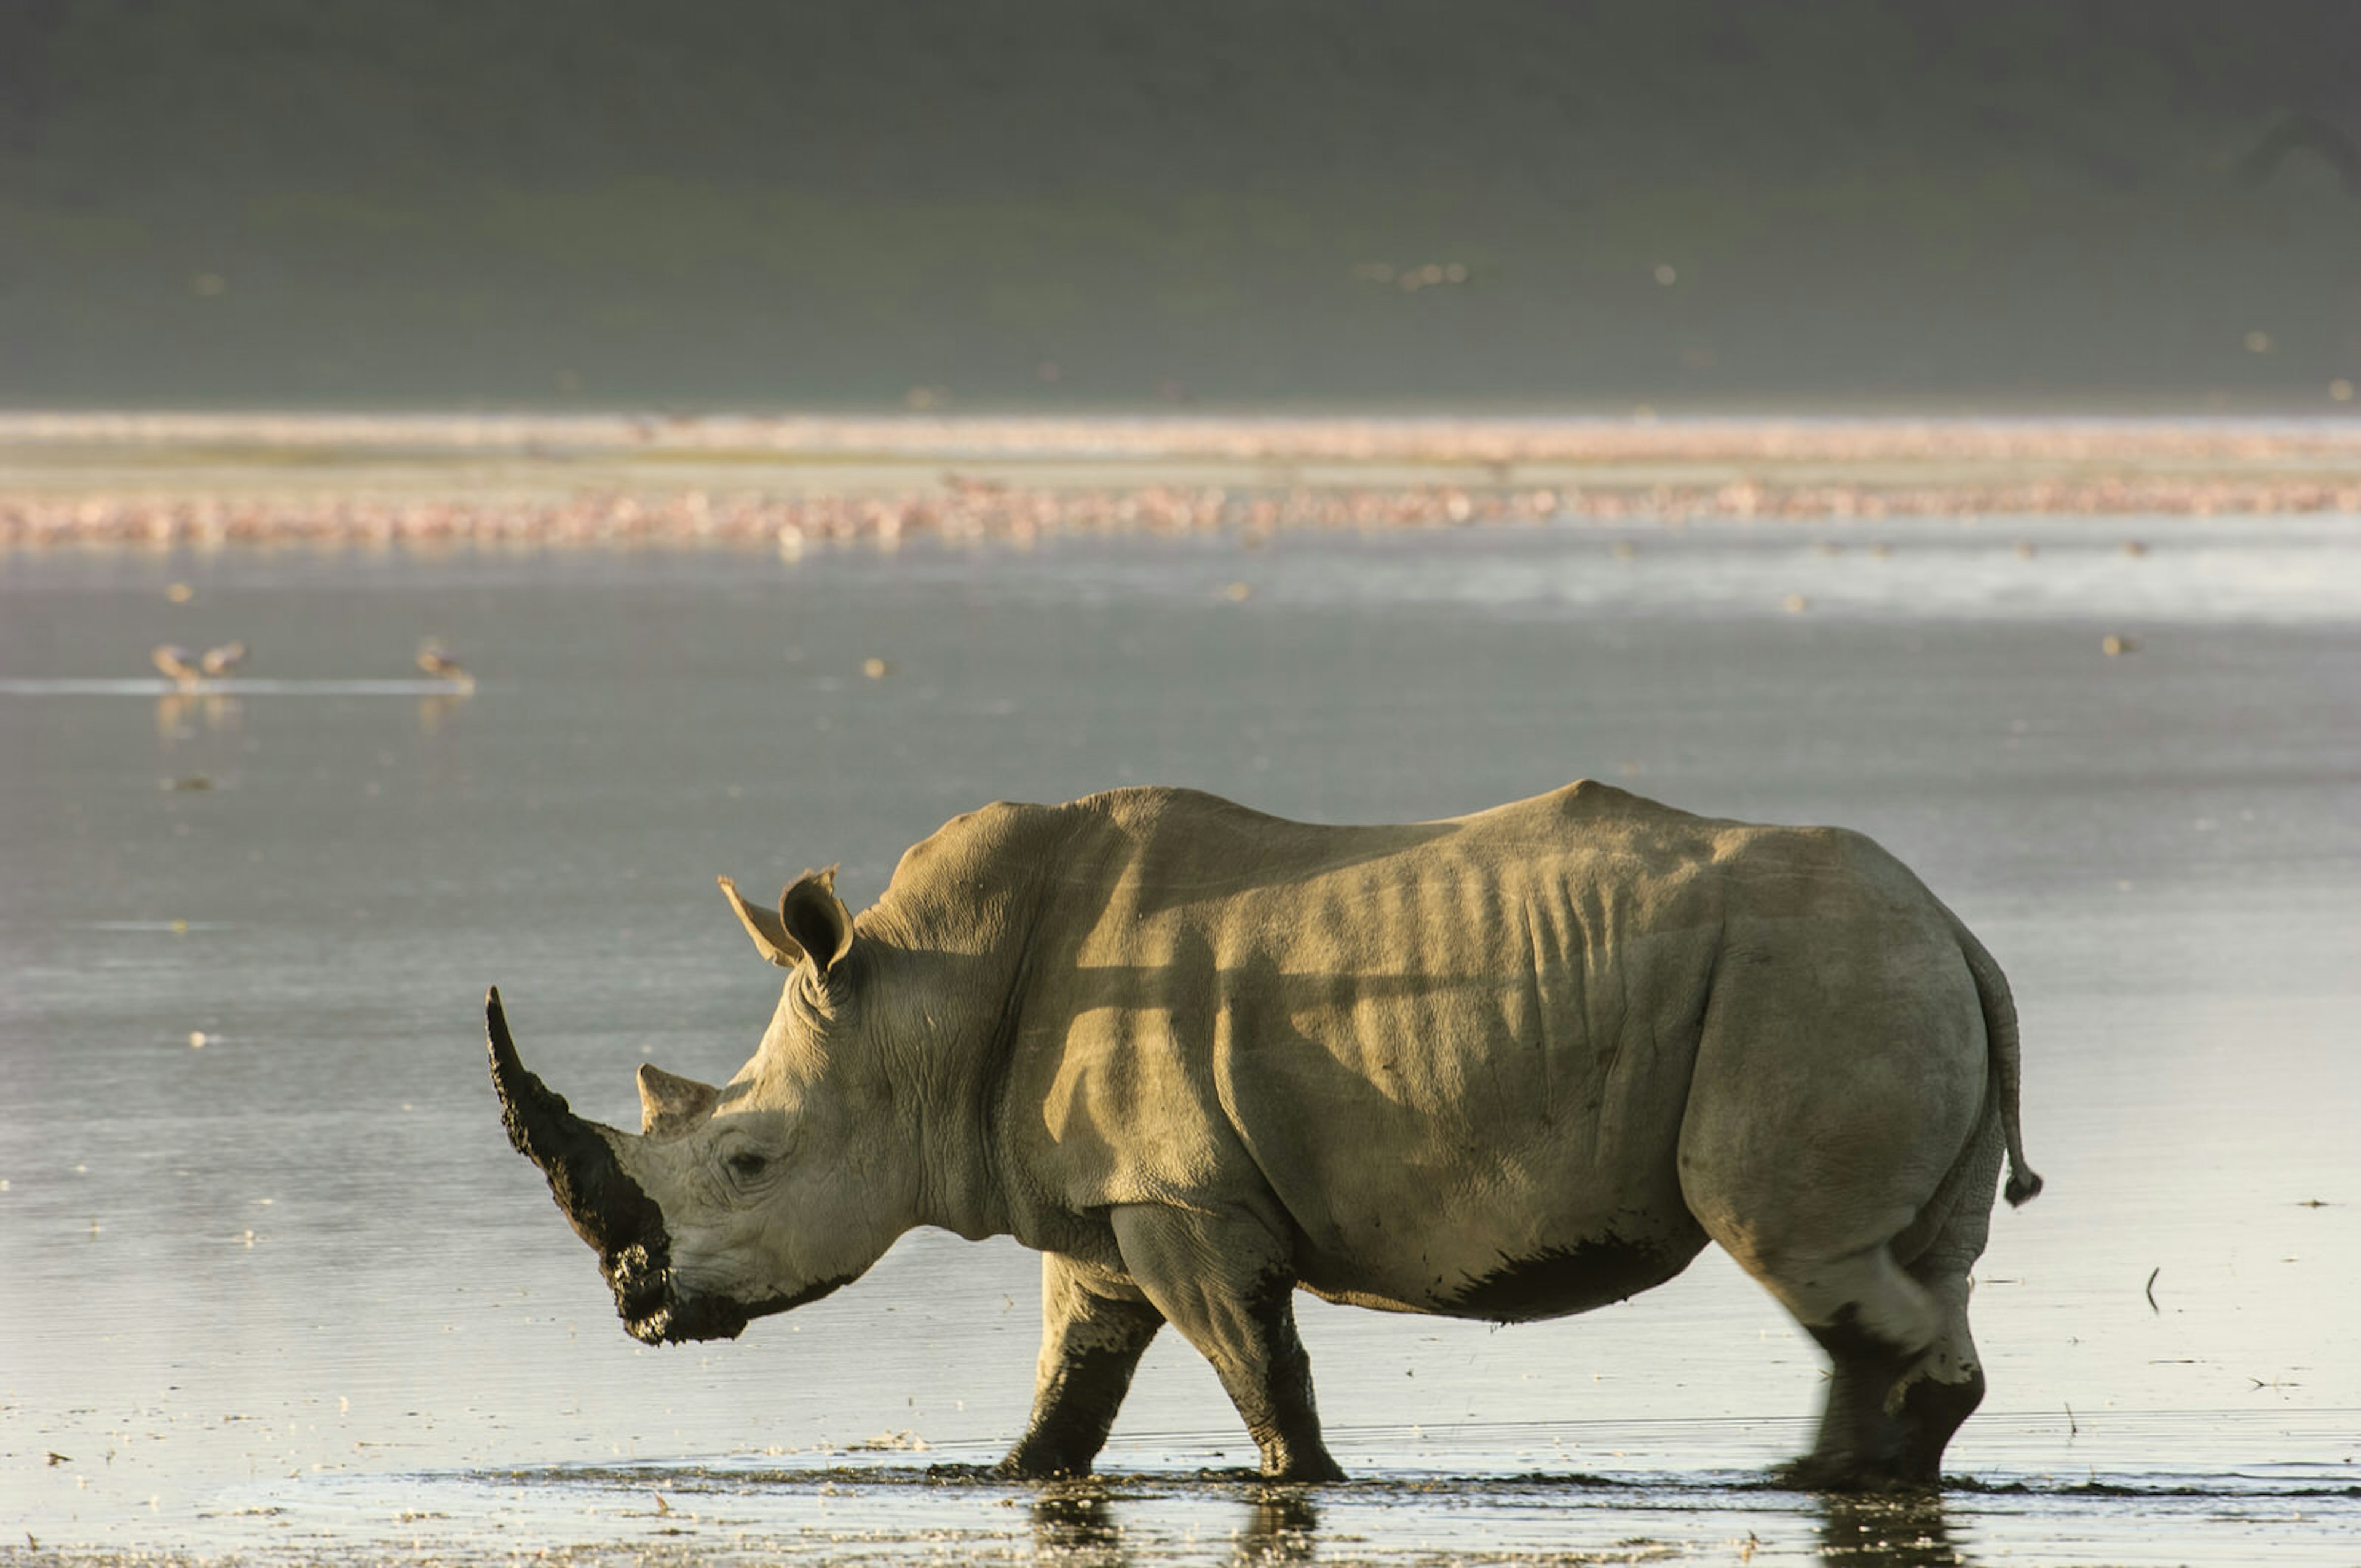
(2000, 1037)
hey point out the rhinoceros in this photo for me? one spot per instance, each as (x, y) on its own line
(1503, 1066)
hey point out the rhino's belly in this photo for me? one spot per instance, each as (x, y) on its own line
(1520, 1280)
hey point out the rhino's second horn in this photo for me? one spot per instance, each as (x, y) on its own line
(606, 1207)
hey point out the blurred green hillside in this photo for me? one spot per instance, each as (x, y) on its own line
(1078, 203)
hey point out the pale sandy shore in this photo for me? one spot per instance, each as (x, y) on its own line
(148, 480)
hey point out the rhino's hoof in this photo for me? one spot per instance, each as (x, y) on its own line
(1817, 1472)
(1026, 1465)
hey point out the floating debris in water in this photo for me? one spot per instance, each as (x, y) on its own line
(197, 1038)
(890, 1442)
(1238, 593)
(2115, 644)
(877, 669)
(189, 781)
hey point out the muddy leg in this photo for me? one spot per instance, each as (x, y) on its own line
(1891, 1412)
(1225, 1281)
(1861, 1446)
(1095, 1327)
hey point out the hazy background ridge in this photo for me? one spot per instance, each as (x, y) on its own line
(1052, 204)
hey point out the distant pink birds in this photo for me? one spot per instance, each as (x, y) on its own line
(190, 669)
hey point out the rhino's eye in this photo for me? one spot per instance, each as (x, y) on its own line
(747, 1165)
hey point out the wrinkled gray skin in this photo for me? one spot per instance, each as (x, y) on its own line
(1505, 1067)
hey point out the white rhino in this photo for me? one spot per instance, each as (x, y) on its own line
(1506, 1067)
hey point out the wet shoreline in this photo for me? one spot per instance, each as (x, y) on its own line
(894, 1511)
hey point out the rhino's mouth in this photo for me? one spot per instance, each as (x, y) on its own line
(672, 1317)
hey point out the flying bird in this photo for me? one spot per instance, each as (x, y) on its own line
(178, 663)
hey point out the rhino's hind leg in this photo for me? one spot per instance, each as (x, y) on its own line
(1905, 1371)
(1226, 1282)
(1902, 1416)
(1094, 1328)
(1872, 1436)
(1891, 1409)
(1841, 1142)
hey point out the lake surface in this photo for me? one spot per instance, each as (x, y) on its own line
(276, 1284)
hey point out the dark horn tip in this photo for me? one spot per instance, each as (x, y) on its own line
(496, 1024)
(530, 1109)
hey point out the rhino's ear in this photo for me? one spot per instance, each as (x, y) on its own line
(816, 919)
(669, 1104)
(770, 938)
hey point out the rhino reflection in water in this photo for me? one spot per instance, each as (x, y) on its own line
(1505, 1067)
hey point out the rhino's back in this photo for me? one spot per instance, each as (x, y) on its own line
(1445, 1048)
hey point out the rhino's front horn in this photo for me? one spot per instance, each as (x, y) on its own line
(606, 1207)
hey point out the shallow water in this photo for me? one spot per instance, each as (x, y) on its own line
(287, 1289)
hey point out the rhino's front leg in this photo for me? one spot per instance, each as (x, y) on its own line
(1094, 1326)
(1226, 1282)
